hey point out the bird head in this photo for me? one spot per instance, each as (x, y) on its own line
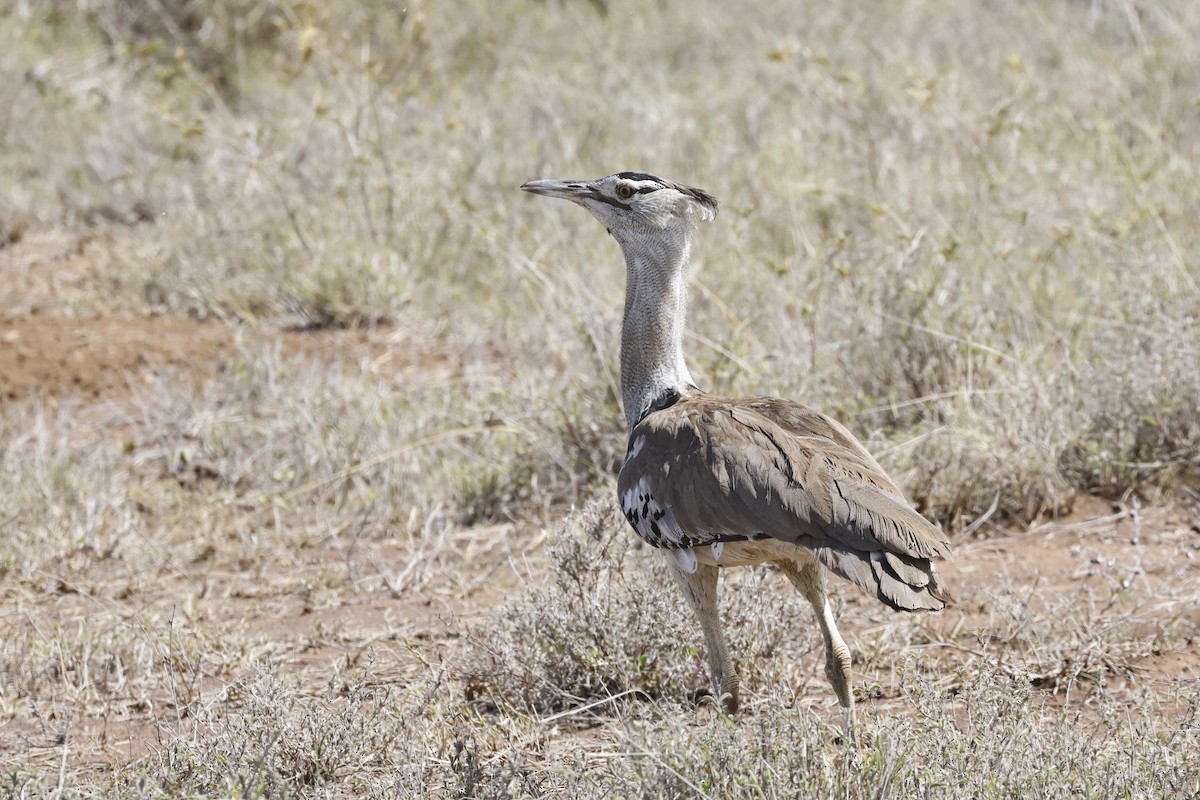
(634, 203)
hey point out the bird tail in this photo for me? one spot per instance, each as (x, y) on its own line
(902, 582)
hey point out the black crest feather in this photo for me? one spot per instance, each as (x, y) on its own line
(699, 195)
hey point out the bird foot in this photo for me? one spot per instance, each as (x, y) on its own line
(727, 701)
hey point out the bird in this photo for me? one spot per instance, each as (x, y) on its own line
(718, 482)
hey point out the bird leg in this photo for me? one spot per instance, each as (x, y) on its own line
(700, 589)
(809, 580)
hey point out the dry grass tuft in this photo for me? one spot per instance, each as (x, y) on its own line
(607, 627)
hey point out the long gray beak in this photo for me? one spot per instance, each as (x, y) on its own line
(567, 190)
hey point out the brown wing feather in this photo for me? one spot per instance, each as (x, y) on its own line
(808, 424)
(714, 468)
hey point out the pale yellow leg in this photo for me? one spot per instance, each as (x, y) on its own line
(809, 580)
(700, 590)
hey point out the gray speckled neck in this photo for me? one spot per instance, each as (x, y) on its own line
(655, 311)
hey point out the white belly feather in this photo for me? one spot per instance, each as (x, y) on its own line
(740, 554)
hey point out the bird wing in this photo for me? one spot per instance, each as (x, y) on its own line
(824, 433)
(710, 469)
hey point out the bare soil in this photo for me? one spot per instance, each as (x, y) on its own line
(97, 357)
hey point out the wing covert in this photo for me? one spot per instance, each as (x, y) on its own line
(720, 469)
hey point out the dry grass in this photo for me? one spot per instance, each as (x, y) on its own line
(339, 559)
(979, 251)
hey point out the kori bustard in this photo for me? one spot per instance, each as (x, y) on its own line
(719, 482)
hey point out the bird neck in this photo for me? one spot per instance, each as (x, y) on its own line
(652, 332)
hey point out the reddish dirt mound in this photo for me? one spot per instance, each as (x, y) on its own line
(100, 357)
(92, 357)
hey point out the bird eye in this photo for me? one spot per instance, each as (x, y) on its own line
(624, 191)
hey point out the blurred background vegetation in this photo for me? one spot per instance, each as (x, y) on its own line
(967, 230)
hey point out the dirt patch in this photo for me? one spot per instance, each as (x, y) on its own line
(96, 357)
(105, 357)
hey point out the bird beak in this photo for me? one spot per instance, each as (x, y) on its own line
(567, 190)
